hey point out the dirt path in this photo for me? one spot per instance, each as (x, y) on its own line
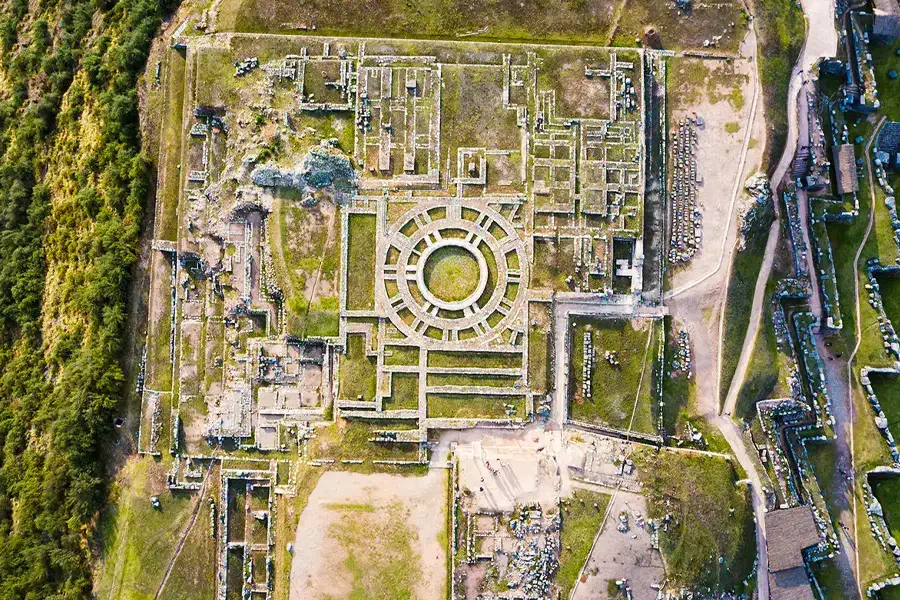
(848, 395)
(824, 43)
(838, 384)
(184, 535)
(820, 16)
(615, 24)
(697, 301)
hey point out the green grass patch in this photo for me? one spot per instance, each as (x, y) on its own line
(358, 372)
(475, 406)
(451, 273)
(437, 379)
(780, 29)
(139, 540)
(887, 490)
(680, 30)
(619, 391)
(553, 263)
(700, 493)
(539, 341)
(678, 389)
(401, 356)
(305, 245)
(361, 262)
(571, 22)
(173, 127)
(404, 392)
(828, 576)
(741, 285)
(890, 297)
(885, 58)
(349, 440)
(822, 457)
(351, 507)
(887, 388)
(580, 523)
(477, 360)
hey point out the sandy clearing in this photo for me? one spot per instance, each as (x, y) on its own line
(618, 555)
(318, 569)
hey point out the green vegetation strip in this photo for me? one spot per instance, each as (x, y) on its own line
(581, 520)
(69, 124)
(573, 22)
(617, 391)
(361, 262)
(475, 406)
(741, 285)
(478, 360)
(781, 29)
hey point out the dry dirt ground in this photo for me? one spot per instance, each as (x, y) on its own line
(719, 151)
(364, 535)
(525, 464)
(617, 555)
(699, 288)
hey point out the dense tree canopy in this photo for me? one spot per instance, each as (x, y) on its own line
(72, 184)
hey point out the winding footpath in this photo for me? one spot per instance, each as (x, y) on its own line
(821, 17)
(858, 332)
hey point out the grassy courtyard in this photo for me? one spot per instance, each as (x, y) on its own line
(887, 490)
(890, 296)
(887, 388)
(451, 273)
(475, 406)
(361, 262)
(621, 395)
(357, 371)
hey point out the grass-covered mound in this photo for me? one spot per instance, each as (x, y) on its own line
(705, 515)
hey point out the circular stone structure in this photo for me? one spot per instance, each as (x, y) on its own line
(446, 280)
(450, 279)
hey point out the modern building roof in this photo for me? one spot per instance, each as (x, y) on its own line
(790, 584)
(788, 533)
(887, 19)
(888, 139)
(845, 169)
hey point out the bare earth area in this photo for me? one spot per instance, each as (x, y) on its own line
(507, 468)
(372, 535)
(617, 554)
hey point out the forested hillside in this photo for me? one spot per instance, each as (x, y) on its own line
(73, 182)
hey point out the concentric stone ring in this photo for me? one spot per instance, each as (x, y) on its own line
(410, 300)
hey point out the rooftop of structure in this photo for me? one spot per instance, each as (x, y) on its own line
(789, 532)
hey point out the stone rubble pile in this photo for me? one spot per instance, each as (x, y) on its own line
(588, 364)
(685, 239)
(682, 359)
(245, 66)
